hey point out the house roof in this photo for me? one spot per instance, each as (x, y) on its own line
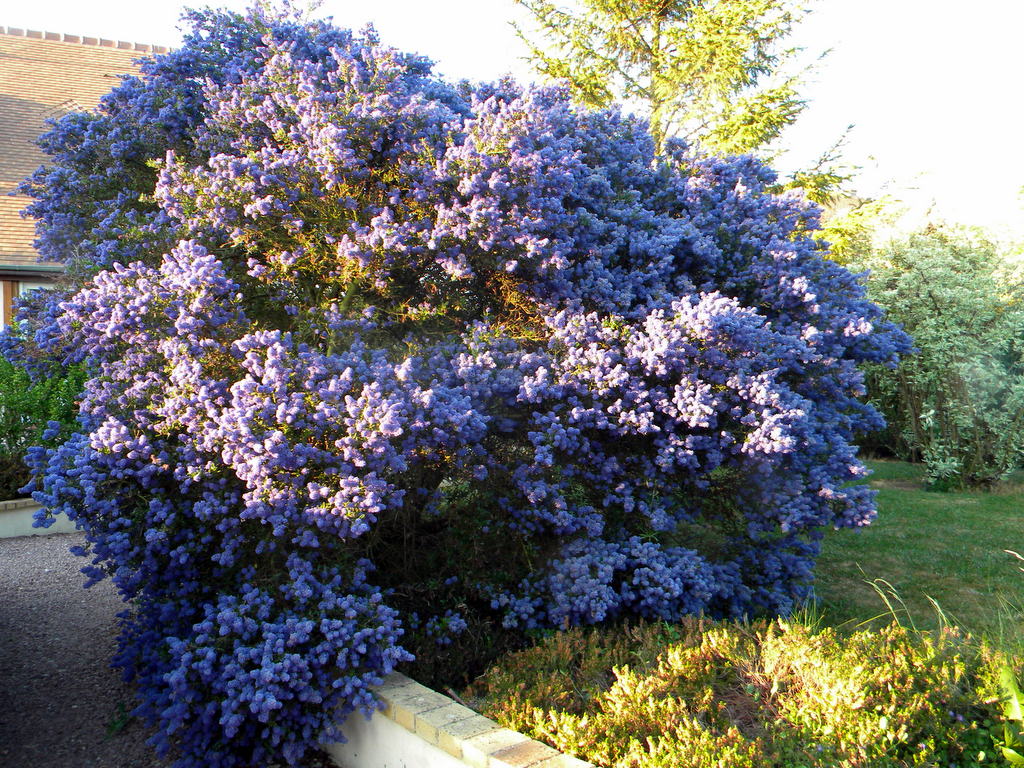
(44, 75)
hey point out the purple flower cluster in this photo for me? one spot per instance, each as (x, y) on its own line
(363, 332)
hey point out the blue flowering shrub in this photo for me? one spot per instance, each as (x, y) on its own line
(378, 358)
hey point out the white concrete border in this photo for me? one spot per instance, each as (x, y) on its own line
(420, 728)
(16, 520)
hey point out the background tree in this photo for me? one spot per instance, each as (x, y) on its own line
(851, 224)
(703, 70)
(958, 403)
(711, 72)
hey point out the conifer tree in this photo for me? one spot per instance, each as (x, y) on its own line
(704, 70)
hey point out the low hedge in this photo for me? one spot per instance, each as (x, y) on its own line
(701, 694)
(27, 406)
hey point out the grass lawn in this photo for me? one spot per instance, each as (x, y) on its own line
(946, 546)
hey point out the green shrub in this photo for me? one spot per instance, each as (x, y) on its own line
(26, 406)
(958, 404)
(764, 694)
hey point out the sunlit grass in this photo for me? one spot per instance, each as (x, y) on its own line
(933, 556)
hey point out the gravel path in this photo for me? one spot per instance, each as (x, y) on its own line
(58, 696)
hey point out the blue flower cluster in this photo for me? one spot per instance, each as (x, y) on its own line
(355, 330)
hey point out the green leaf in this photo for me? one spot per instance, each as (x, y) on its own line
(1012, 704)
(1013, 757)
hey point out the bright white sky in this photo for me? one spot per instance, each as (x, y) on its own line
(932, 87)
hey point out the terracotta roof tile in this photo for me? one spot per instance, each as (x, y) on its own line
(44, 75)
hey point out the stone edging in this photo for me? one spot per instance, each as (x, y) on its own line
(13, 504)
(467, 737)
(17, 515)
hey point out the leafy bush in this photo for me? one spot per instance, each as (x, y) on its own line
(779, 693)
(958, 404)
(377, 352)
(26, 406)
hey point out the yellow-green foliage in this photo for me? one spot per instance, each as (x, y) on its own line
(765, 694)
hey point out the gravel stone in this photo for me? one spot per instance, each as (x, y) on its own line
(60, 702)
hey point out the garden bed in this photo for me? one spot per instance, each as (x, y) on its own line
(700, 693)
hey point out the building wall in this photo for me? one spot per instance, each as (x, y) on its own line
(11, 289)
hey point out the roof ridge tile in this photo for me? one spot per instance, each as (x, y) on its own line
(82, 40)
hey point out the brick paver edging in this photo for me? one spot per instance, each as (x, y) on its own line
(12, 504)
(462, 733)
